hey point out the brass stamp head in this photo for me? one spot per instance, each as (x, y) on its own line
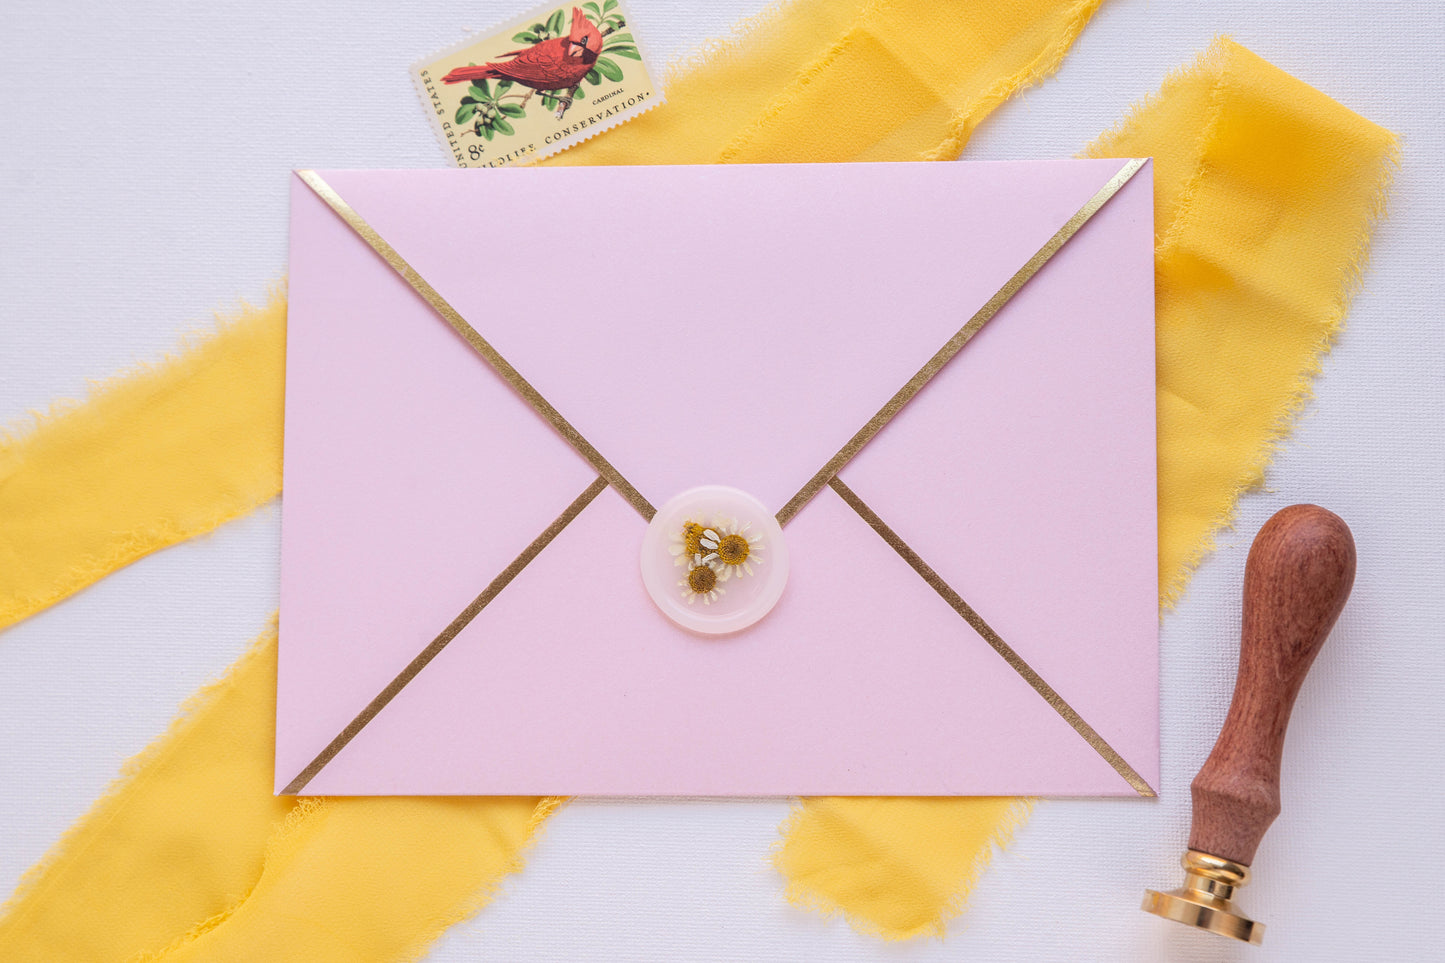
(1204, 901)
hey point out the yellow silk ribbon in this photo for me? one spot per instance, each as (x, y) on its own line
(263, 878)
(152, 458)
(190, 856)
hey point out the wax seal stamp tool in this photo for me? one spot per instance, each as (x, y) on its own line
(1300, 570)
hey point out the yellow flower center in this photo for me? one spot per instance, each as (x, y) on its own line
(702, 580)
(732, 550)
(692, 538)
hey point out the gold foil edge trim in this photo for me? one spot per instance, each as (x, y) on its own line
(955, 344)
(444, 638)
(1015, 661)
(460, 324)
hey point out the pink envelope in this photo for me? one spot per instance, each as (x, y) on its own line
(972, 605)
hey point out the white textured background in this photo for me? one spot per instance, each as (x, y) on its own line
(143, 159)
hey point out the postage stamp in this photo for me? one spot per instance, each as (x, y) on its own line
(537, 85)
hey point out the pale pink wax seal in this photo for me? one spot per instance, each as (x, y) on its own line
(713, 559)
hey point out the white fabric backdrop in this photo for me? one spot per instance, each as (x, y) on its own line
(143, 163)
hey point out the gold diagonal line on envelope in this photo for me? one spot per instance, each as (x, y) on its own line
(484, 348)
(1015, 661)
(955, 344)
(444, 638)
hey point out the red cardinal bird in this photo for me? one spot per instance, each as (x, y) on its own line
(557, 64)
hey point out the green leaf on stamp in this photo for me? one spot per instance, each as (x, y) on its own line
(548, 102)
(608, 69)
(593, 77)
(624, 51)
(512, 110)
(618, 38)
(481, 91)
(554, 25)
(526, 36)
(468, 100)
(609, 5)
(488, 133)
(501, 126)
(593, 9)
(503, 86)
(465, 112)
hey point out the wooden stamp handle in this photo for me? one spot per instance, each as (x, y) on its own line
(1298, 576)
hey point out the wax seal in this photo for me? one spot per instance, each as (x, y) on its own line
(1299, 573)
(713, 559)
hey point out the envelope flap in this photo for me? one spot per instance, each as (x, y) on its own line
(578, 685)
(721, 325)
(1044, 430)
(393, 428)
